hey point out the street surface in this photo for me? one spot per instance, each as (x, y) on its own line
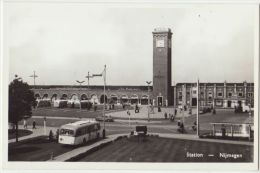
(38, 148)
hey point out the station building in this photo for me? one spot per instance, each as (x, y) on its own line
(223, 95)
(161, 93)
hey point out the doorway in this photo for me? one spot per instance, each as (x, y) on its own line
(160, 100)
(194, 102)
(239, 103)
(229, 104)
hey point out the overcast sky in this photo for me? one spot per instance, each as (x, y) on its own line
(62, 42)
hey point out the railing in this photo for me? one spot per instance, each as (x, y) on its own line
(232, 129)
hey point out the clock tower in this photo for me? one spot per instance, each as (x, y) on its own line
(162, 38)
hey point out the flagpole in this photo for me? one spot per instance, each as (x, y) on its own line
(198, 111)
(104, 75)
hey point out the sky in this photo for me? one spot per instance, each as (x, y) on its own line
(62, 42)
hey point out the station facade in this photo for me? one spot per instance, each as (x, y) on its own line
(223, 95)
(161, 93)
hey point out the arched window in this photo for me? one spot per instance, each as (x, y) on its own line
(84, 97)
(45, 96)
(37, 96)
(54, 97)
(64, 97)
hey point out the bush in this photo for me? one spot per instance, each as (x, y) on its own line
(63, 104)
(44, 103)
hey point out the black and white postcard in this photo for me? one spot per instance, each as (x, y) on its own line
(129, 85)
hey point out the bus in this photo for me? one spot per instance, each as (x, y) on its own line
(79, 132)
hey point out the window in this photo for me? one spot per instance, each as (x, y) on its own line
(220, 94)
(194, 92)
(180, 95)
(210, 97)
(240, 94)
(81, 131)
(188, 93)
(92, 128)
(229, 94)
(250, 94)
(66, 132)
(210, 93)
(202, 93)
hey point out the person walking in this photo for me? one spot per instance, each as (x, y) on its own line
(172, 117)
(24, 123)
(34, 125)
(165, 115)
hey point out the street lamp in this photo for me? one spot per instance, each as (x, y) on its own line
(80, 82)
(198, 107)
(34, 76)
(148, 83)
(88, 77)
(104, 107)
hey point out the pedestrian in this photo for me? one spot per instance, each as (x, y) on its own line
(194, 127)
(57, 135)
(165, 115)
(179, 123)
(190, 111)
(172, 118)
(223, 130)
(51, 136)
(175, 112)
(24, 123)
(182, 127)
(34, 125)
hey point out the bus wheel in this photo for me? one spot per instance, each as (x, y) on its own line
(84, 141)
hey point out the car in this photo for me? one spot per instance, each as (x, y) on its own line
(247, 108)
(107, 118)
(204, 109)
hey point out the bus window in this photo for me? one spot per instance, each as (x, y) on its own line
(91, 128)
(88, 129)
(96, 127)
(67, 132)
(78, 132)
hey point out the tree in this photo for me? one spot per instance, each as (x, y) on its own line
(21, 100)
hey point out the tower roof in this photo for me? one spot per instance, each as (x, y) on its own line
(161, 29)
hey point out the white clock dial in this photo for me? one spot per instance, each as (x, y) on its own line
(160, 43)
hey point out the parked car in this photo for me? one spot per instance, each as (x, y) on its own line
(204, 109)
(247, 108)
(107, 118)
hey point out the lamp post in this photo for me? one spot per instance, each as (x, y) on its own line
(104, 107)
(80, 82)
(198, 111)
(34, 76)
(148, 83)
(88, 77)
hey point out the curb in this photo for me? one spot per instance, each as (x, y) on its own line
(80, 156)
(87, 151)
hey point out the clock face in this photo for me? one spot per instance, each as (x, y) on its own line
(160, 43)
